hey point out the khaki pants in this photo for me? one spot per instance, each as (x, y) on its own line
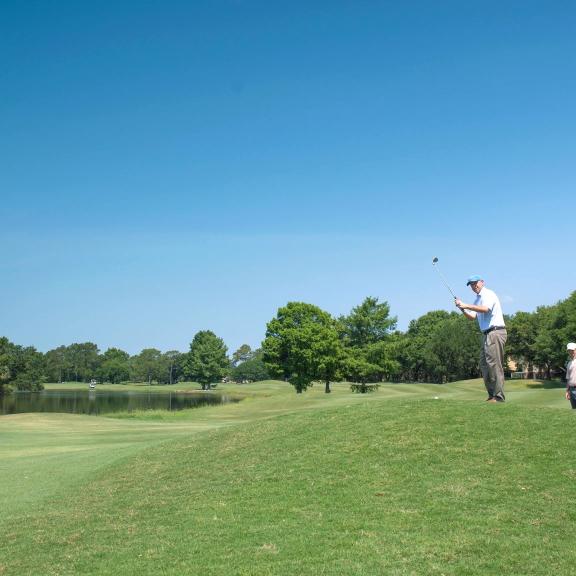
(492, 362)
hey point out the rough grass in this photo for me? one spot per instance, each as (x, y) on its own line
(393, 483)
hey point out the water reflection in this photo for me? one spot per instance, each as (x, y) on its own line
(104, 402)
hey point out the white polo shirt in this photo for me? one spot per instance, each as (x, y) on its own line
(571, 374)
(494, 317)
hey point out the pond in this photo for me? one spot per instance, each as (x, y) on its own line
(105, 402)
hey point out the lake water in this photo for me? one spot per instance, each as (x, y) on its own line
(104, 402)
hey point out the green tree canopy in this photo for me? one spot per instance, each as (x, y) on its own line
(242, 354)
(83, 360)
(146, 366)
(357, 368)
(20, 367)
(368, 323)
(416, 360)
(207, 361)
(114, 366)
(251, 370)
(522, 330)
(453, 350)
(302, 344)
(58, 367)
(173, 366)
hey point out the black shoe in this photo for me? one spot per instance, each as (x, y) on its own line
(499, 399)
(489, 398)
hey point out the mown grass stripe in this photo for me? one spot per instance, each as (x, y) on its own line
(395, 487)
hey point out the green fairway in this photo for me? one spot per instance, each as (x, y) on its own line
(411, 479)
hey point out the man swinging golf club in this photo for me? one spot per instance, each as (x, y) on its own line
(487, 310)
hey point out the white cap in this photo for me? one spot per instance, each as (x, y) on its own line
(571, 346)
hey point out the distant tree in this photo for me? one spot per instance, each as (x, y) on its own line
(31, 373)
(454, 349)
(83, 360)
(564, 328)
(146, 366)
(114, 366)
(357, 368)
(58, 366)
(20, 367)
(6, 360)
(243, 354)
(549, 345)
(302, 344)
(206, 361)
(368, 323)
(384, 355)
(172, 366)
(522, 330)
(418, 361)
(252, 370)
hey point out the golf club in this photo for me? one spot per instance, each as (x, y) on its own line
(434, 263)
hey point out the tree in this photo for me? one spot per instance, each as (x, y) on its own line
(242, 354)
(58, 366)
(366, 334)
(21, 367)
(252, 370)
(549, 345)
(207, 361)
(384, 355)
(302, 344)
(454, 347)
(564, 329)
(368, 323)
(83, 360)
(30, 374)
(146, 366)
(115, 366)
(173, 368)
(418, 361)
(79, 362)
(522, 330)
(358, 369)
(6, 352)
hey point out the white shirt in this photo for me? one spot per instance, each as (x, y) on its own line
(494, 316)
(571, 373)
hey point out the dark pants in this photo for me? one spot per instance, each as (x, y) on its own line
(572, 397)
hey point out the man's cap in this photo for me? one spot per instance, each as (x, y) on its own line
(474, 278)
(571, 346)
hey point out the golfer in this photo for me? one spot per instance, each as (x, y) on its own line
(487, 310)
(571, 375)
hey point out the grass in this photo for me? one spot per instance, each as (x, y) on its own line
(394, 482)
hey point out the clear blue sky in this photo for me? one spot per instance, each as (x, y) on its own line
(173, 166)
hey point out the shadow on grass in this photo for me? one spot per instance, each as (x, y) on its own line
(547, 384)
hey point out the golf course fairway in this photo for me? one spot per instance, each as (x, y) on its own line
(408, 480)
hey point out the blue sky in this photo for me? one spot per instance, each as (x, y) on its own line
(169, 167)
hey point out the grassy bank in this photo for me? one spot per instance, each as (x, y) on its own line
(395, 482)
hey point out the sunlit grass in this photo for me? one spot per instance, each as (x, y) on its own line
(395, 482)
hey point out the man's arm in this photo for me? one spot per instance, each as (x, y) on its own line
(487, 302)
(472, 307)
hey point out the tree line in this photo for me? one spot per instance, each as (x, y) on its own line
(206, 362)
(305, 344)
